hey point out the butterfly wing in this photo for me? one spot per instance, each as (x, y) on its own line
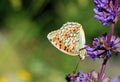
(54, 38)
(70, 39)
(72, 35)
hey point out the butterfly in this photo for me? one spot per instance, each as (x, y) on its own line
(70, 39)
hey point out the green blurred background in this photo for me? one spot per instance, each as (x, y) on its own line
(26, 55)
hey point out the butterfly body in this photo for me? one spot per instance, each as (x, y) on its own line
(70, 38)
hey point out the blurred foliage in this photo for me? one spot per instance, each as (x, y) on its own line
(27, 55)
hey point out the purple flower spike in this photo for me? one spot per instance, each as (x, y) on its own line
(102, 49)
(86, 77)
(106, 11)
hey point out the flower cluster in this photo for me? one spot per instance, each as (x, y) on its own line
(105, 46)
(85, 77)
(107, 11)
(103, 49)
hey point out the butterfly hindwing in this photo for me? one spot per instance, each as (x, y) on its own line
(55, 40)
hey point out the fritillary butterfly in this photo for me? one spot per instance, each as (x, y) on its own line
(70, 39)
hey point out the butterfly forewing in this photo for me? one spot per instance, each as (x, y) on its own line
(71, 35)
(82, 43)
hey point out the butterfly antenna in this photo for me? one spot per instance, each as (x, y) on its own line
(82, 49)
(76, 67)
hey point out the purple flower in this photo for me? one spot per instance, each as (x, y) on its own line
(71, 77)
(107, 11)
(79, 77)
(85, 77)
(102, 49)
(116, 79)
